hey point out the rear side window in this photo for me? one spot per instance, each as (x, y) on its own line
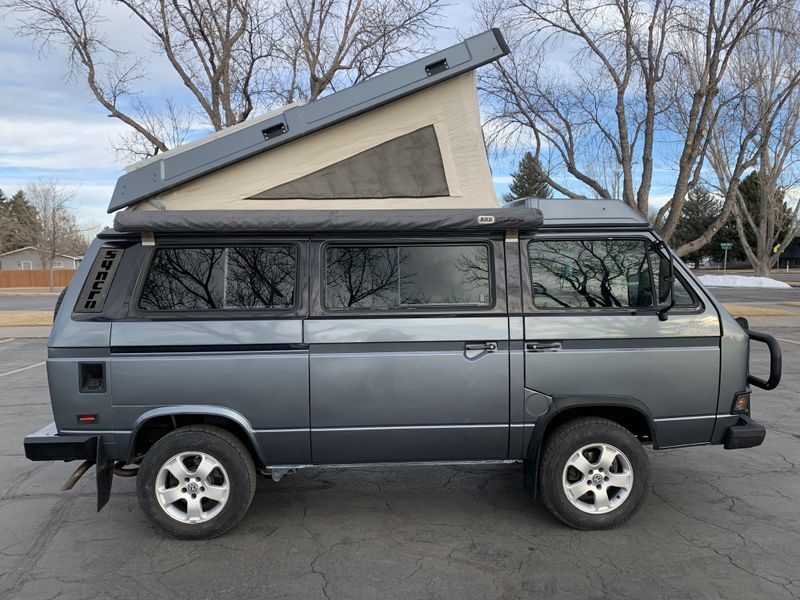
(210, 279)
(581, 274)
(407, 277)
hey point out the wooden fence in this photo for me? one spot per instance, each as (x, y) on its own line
(35, 278)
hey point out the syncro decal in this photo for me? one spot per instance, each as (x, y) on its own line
(95, 289)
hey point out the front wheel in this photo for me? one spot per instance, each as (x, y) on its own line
(594, 474)
(196, 482)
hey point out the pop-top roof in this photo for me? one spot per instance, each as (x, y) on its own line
(371, 143)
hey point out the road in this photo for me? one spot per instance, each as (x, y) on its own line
(718, 524)
(27, 301)
(739, 295)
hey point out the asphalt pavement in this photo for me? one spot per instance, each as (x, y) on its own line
(27, 301)
(718, 523)
(760, 295)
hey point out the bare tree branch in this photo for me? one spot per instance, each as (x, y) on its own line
(233, 56)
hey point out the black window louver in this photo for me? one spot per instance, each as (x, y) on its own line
(95, 289)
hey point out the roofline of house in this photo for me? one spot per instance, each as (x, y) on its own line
(35, 248)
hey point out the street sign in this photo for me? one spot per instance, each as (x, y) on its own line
(725, 246)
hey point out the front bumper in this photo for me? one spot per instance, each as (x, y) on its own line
(745, 434)
(47, 444)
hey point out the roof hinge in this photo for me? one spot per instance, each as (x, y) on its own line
(156, 204)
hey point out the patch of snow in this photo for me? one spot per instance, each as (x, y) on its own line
(741, 281)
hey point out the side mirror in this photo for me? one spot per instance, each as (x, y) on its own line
(665, 279)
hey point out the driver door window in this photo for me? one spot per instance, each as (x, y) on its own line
(591, 274)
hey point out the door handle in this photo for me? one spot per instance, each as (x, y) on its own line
(543, 346)
(484, 347)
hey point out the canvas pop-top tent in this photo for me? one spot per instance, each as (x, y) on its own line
(409, 138)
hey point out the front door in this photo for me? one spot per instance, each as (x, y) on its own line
(592, 332)
(408, 346)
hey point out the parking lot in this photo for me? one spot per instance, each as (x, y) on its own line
(718, 524)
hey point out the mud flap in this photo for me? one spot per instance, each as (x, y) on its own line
(105, 475)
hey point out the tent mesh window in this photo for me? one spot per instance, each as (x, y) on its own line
(409, 166)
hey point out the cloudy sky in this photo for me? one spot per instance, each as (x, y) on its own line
(50, 125)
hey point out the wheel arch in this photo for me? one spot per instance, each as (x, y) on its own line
(156, 423)
(630, 413)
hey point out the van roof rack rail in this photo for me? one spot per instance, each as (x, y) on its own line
(172, 168)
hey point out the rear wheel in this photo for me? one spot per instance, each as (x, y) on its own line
(594, 474)
(196, 482)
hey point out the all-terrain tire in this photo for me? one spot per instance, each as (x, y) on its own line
(235, 473)
(582, 442)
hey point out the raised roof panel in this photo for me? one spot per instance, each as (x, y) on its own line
(161, 173)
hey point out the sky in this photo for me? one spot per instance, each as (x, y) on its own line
(51, 126)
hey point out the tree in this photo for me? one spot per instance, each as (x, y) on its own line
(759, 233)
(57, 229)
(233, 56)
(527, 181)
(327, 42)
(18, 222)
(758, 130)
(700, 210)
(5, 224)
(614, 94)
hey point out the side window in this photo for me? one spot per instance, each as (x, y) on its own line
(398, 277)
(210, 279)
(581, 274)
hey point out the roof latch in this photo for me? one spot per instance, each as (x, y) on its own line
(436, 67)
(274, 131)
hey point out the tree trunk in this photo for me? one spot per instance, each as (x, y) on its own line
(761, 267)
(52, 277)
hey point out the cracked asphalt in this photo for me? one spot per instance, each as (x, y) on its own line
(718, 524)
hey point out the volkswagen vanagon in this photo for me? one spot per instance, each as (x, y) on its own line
(563, 334)
(335, 284)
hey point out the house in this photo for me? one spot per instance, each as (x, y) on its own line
(28, 258)
(790, 255)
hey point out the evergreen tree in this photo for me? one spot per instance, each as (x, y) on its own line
(19, 226)
(527, 181)
(5, 223)
(699, 211)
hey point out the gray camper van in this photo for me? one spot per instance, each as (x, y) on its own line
(334, 284)
(563, 334)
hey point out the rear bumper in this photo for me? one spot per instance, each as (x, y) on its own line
(745, 434)
(47, 444)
